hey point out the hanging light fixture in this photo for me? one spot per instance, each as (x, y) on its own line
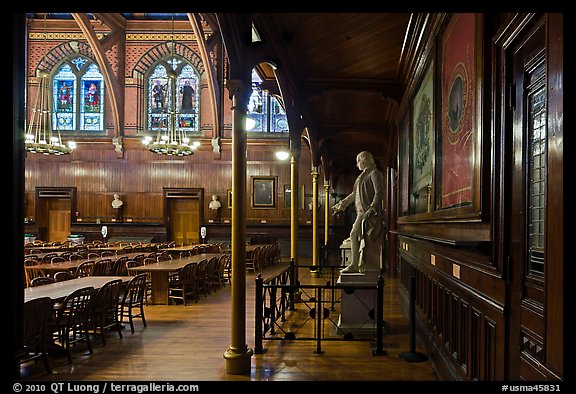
(172, 141)
(40, 137)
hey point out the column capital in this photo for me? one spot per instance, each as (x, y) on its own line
(237, 87)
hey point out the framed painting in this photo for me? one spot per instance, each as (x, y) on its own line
(229, 194)
(288, 196)
(458, 138)
(422, 143)
(404, 167)
(263, 191)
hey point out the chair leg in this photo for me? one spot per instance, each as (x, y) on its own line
(142, 314)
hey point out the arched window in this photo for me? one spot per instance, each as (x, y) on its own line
(160, 96)
(78, 96)
(265, 114)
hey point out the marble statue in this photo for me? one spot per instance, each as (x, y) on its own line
(367, 234)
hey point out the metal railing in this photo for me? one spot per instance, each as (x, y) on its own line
(278, 319)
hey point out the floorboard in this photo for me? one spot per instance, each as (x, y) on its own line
(187, 343)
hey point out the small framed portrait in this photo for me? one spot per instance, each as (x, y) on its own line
(229, 194)
(263, 192)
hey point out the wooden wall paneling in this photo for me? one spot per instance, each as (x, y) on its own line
(448, 309)
(490, 344)
(464, 339)
(476, 344)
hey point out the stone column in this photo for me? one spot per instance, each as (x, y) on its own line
(238, 354)
(315, 216)
(326, 210)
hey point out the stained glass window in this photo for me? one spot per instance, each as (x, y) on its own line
(77, 93)
(537, 173)
(265, 114)
(160, 96)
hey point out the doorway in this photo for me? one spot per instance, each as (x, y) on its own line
(535, 341)
(54, 208)
(183, 214)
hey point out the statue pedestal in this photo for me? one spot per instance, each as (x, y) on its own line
(357, 316)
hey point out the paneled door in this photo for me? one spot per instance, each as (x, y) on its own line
(59, 222)
(535, 271)
(185, 217)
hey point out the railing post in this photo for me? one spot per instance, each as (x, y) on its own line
(292, 284)
(319, 320)
(379, 351)
(272, 306)
(259, 309)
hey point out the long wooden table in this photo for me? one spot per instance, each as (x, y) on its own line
(59, 290)
(159, 273)
(52, 268)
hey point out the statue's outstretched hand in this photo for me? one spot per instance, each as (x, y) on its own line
(336, 208)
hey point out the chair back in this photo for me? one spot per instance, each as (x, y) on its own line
(105, 299)
(75, 307)
(187, 274)
(37, 313)
(41, 280)
(119, 266)
(36, 317)
(57, 259)
(84, 269)
(61, 276)
(33, 271)
(102, 267)
(130, 264)
(135, 290)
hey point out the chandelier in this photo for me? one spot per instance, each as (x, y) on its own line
(40, 137)
(172, 141)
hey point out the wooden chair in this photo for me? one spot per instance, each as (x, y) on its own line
(130, 264)
(32, 270)
(71, 322)
(253, 261)
(76, 256)
(42, 280)
(132, 301)
(47, 258)
(119, 266)
(186, 284)
(61, 276)
(57, 259)
(202, 277)
(213, 274)
(164, 256)
(104, 309)
(224, 268)
(84, 269)
(36, 315)
(102, 267)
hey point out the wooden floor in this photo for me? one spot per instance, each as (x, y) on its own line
(187, 343)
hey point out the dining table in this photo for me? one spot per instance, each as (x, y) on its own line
(59, 290)
(159, 274)
(49, 269)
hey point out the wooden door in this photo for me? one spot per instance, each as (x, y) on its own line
(535, 275)
(59, 220)
(185, 217)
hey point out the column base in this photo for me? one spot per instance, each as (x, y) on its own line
(238, 363)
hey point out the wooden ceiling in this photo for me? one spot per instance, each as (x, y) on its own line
(348, 69)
